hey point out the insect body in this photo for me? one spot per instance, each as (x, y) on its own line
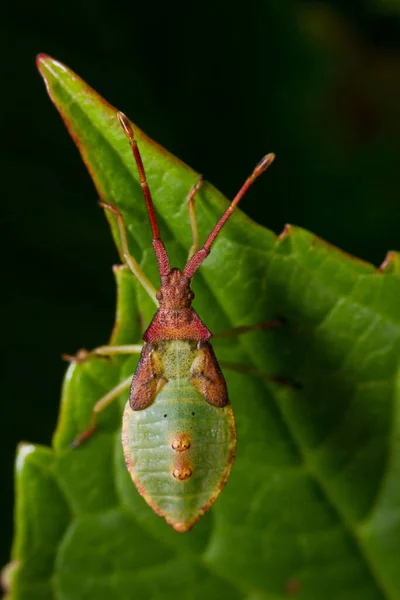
(178, 431)
(187, 441)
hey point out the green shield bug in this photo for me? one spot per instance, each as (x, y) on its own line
(178, 431)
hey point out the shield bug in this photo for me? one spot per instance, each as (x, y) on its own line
(178, 431)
